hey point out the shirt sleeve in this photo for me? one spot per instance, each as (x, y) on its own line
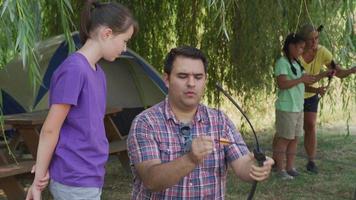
(238, 148)
(66, 86)
(281, 68)
(141, 143)
(327, 57)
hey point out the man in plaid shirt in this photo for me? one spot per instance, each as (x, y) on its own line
(174, 146)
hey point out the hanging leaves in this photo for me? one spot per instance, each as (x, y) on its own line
(25, 16)
(241, 38)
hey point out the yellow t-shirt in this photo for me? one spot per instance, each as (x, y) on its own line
(322, 58)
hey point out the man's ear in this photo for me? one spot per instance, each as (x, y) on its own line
(166, 79)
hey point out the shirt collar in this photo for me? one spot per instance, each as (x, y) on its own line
(200, 115)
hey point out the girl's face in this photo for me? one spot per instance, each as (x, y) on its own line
(114, 45)
(296, 50)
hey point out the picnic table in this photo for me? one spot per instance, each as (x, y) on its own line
(27, 129)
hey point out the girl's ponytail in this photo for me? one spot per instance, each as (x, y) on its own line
(112, 15)
(85, 19)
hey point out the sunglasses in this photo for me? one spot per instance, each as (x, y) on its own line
(187, 137)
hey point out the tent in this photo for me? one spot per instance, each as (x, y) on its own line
(132, 84)
(131, 81)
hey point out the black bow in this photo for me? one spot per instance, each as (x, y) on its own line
(331, 75)
(258, 154)
(320, 28)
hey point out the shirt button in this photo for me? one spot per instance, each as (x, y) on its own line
(190, 184)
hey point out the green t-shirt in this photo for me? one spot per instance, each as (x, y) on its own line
(292, 99)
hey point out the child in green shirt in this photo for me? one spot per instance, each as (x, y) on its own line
(289, 105)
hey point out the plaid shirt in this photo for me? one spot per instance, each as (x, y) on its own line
(155, 134)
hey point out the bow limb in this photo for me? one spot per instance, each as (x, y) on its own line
(258, 154)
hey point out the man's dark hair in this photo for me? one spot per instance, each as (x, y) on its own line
(185, 51)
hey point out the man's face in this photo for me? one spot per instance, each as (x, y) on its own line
(186, 83)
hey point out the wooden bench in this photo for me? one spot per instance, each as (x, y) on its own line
(2, 141)
(14, 169)
(8, 182)
(117, 142)
(119, 148)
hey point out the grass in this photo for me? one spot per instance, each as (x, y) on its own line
(336, 180)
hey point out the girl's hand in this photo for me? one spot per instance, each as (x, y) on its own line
(308, 79)
(331, 73)
(33, 193)
(353, 70)
(43, 182)
(321, 91)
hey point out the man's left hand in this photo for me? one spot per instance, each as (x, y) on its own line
(262, 173)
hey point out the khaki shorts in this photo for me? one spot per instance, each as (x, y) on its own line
(289, 124)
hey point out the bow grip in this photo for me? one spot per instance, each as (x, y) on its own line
(259, 156)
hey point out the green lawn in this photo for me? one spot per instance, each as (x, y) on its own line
(336, 179)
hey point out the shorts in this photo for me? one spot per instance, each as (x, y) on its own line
(289, 125)
(311, 104)
(66, 192)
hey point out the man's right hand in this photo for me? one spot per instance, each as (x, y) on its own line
(308, 79)
(201, 147)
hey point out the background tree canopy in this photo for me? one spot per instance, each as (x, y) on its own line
(242, 38)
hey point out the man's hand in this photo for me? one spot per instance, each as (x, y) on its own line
(201, 147)
(261, 173)
(308, 79)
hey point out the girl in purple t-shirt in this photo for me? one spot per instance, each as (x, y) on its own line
(73, 146)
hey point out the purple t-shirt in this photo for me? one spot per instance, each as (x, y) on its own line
(82, 149)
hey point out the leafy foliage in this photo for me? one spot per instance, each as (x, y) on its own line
(242, 39)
